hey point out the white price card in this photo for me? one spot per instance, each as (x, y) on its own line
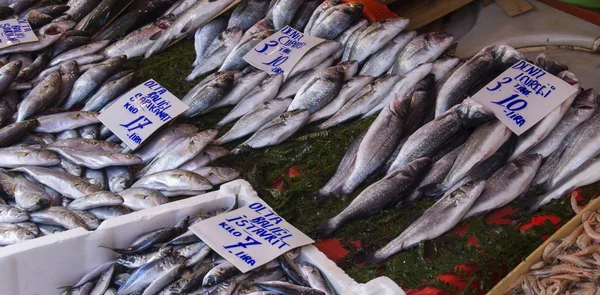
(135, 115)
(523, 95)
(16, 31)
(250, 236)
(279, 53)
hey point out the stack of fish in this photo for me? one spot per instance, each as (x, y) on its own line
(434, 141)
(173, 260)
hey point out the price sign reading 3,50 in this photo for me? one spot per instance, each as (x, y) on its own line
(135, 115)
(279, 53)
(523, 95)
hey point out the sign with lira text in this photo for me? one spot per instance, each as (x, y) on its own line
(279, 53)
(16, 31)
(250, 236)
(135, 115)
(523, 95)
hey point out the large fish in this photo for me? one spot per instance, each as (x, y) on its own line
(187, 23)
(315, 56)
(333, 21)
(165, 137)
(427, 139)
(319, 90)
(375, 36)
(217, 52)
(203, 95)
(348, 91)
(435, 221)
(381, 61)
(293, 84)
(506, 184)
(318, 11)
(240, 88)
(434, 45)
(66, 184)
(380, 195)
(283, 12)
(43, 95)
(235, 59)
(205, 35)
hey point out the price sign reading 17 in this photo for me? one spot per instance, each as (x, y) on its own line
(279, 53)
(135, 115)
(523, 95)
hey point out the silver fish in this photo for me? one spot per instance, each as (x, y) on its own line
(78, 9)
(203, 95)
(550, 66)
(28, 195)
(506, 184)
(303, 16)
(348, 91)
(375, 36)
(103, 282)
(348, 37)
(146, 274)
(239, 89)
(368, 98)
(89, 132)
(583, 108)
(381, 61)
(29, 226)
(137, 42)
(288, 288)
(179, 7)
(265, 91)
(293, 84)
(276, 131)
(90, 219)
(319, 90)
(283, 12)
(60, 216)
(174, 180)
(422, 98)
(316, 278)
(221, 272)
(180, 153)
(68, 185)
(235, 59)
(378, 196)
(164, 279)
(70, 167)
(87, 49)
(96, 177)
(119, 178)
(266, 24)
(435, 221)
(318, 11)
(163, 138)
(207, 155)
(8, 106)
(13, 132)
(217, 52)
(69, 73)
(10, 214)
(247, 13)
(382, 137)
(187, 23)
(217, 175)
(41, 96)
(12, 157)
(139, 260)
(92, 78)
(444, 66)
(87, 145)
(252, 121)
(333, 21)
(12, 234)
(46, 38)
(65, 121)
(139, 198)
(434, 45)
(105, 213)
(107, 93)
(95, 200)
(205, 35)
(315, 56)
(96, 159)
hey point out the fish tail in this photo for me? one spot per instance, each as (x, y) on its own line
(434, 190)
(368, 258)
(326, 228)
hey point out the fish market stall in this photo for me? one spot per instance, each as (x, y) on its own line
(382, 138)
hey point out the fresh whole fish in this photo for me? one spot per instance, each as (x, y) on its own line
(381, 61)
(583, 108)
(316, 278)
(65, 121)
(221, 272)
(235, 59)
(69, 72)
(506, 184)
(60, 216)
(139, 198)
(187, 23)
(303, 16)
(283, 12)
(95, 200)
(12, 157)
(180, 153)
(108, 92)
(265, 91)
(319, 90)
(40, 97)
(66, 184)
(96, 159)
(29, 72)
(265, 24)
(47, 38)
(96, 177)
(207, 155)
(247, 13)
(433, 46)
(146, 274)
(174, 180)
(8, 74)
(255, 119)
(105, 213)
(287, 288)
(348, 91)
(203, 95)
(78, 9)
(12, 234)
(103, 282)
(13, 132)
(239, 89)
(427, 139)
(421, 98)
(139, 260)
(318, 11)
(164, 138)
(217, 175)
(85, 145)
(333, 21)
(293, 84)
(8, 106)
(443, 66)
(10, 214)
(315, 56)
(28, 195)
(90, 219)
(550, 66)
(217, 52)
(87, 49)
(380, 195)
(375, 36)
(277, 130)
(119, 178)
(205, 35)
(69, 43)
(439, 218)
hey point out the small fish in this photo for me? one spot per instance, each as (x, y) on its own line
(139, 198)
(174, 180)
(316, 278)
(163, 138)
(30, 71)
(205, 35)
(293, 84)
(10, 214)
(12, 234)
(46, 36)
(550, 66)
(105, 213)
(11, 133)
(147, 274)
(277, 130)
(217, 175)
(108, 93)
(119, 178)
(265, 24)
(60, 216)
(87, 49)
(86, 145)
(235, 59)
(41, 96)
(203, 95)
(422, 98)
(221, 272)
(438, 219)
(66, 184)
(103, 282)
(65, 121)
(443, 66)
(96, 159)
(319, 90)
(28, 195)
(287, 288)
(318, 11)
(139, 260)
(12, 157)
(95, 200)
(69, 72)
(207, 155)
(90, 219)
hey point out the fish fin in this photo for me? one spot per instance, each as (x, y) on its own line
(156, 36)
(325, 229)
(186, 28)
(432, 190)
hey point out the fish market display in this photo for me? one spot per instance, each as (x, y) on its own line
(173, 260)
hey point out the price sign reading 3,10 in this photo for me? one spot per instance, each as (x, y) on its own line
(138, 113)
(523, 95)
(279, 53)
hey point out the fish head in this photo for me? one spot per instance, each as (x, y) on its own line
(182, 225)
(569, 78)
(231, 36)
(468, 191)
(226, 173)
(586, 100)
(439, 39)
(23, 234)
(534, 161)
(349, 67)
(13, 68)
(398, 23)
(265, 24)
(165, 251)
(472, 113)
(17, 213)
(165, 22)
(506, 55)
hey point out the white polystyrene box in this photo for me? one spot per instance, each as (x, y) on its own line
(40, 266)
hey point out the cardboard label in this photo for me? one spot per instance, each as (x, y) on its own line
(523, 95)
(16, 31)
(279, 53)
(141, 111)
(250, 236)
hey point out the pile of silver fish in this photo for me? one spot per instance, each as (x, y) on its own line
(434, 141)
(568, 266)
(174, 260)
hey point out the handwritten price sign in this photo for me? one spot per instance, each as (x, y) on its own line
(279, 53)
(250, 236)
(16, 31)
(523, 95)
(141, 111)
